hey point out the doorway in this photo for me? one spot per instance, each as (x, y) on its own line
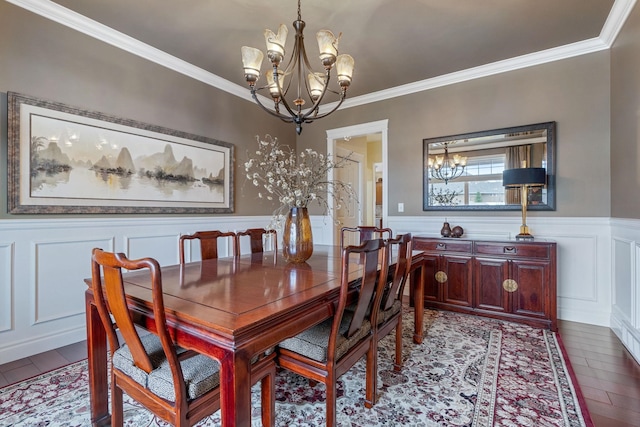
(368, 142)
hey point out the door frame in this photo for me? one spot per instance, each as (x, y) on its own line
(359, 159)
(380, 126)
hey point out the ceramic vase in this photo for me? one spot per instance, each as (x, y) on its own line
(446, 230)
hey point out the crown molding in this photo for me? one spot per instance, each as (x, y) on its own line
(55, 12)
(511, 64)
(616, 19)
(62, 15)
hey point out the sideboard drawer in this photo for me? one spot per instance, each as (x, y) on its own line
(512, 250)
(441, 245)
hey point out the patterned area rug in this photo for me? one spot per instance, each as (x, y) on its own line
(470, 371)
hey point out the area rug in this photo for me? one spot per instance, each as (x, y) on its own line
(469, 371)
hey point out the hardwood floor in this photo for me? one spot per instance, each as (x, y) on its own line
(608, 376)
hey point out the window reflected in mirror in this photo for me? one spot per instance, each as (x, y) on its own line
(464, 172)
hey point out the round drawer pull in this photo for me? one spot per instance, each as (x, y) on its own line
(441, 277)
(510, 285)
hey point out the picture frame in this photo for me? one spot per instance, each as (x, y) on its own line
(67, 160)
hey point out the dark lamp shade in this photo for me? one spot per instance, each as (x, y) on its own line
(524, 176)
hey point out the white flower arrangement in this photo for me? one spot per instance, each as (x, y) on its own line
(295, 180)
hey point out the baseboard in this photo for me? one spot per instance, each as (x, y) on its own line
(36, 345)
(599, 318)
(629, 336)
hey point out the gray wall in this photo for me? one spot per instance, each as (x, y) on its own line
(47, 60)
(41, 58)
(573, 92)
(625, 112)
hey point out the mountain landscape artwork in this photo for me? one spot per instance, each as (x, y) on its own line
(70, 159)
(78, 161)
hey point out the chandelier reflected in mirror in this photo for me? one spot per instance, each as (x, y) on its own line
(446, 168)
(298, 76)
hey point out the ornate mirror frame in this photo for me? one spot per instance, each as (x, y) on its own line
(485, 155)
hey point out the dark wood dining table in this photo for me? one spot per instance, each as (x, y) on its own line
(231, 309)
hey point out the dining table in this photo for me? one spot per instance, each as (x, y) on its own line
(232, 309)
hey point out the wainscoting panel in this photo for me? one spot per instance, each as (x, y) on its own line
(623, 257)
(162, 247)
(58, 272)
(6, 286)
(625, 313)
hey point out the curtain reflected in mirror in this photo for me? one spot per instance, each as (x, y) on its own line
(488, 154)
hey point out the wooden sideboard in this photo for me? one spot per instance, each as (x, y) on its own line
(508, 280)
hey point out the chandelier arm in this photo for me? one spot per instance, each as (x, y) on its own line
(295, 115)
(447, 174)
(319, 116)
(283, 100)
(282, 117)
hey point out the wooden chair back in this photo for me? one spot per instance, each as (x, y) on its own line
(363, 233)
(400, 275)
(208, 243)
(257, 239)
(109, 294)
(373, 275)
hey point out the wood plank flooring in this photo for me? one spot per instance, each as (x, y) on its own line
(608, 376)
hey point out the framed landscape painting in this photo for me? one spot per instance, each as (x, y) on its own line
(63, 159)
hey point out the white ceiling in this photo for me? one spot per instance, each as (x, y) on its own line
(399, 46)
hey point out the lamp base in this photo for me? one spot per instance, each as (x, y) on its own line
(524, 237)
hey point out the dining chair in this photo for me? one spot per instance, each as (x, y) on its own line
(327, 350)
(208, 243)
(258, 239)
(362, 232)
(390, 315)
(180, 386)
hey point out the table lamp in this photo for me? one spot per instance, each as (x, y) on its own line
(524, 178)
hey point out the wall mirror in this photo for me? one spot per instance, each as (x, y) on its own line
(464, 172)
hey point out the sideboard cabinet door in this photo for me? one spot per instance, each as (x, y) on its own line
(432, 288)
(457, 290)
(489, 278)
(530, 298)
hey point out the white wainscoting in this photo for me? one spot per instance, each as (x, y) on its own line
(625, 312)
(43, 264)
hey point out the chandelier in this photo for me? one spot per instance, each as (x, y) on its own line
(297, 76)
(446, 168)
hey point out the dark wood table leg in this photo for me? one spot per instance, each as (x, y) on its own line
(235, 394)
(97, 361)
(418, 304)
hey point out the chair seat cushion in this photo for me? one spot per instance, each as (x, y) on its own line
(313, 343)
(200, 372)
(385, 315)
